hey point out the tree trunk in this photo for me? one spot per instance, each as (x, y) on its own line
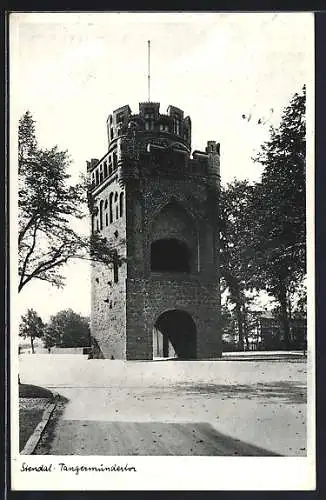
(290, 320)
(32, 344)
(240, 325)
(284, 315)
(245, 327)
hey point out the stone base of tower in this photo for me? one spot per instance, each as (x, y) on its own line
(182, 313)
(186, 311)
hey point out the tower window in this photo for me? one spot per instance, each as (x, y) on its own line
(115, 267)
(115, 162)
(170, 255)
(101, 214)
(176, 126)
(116, 205)
(106, 212)
(111, 128)
(111, 207)
(121, 202)
(149, 124)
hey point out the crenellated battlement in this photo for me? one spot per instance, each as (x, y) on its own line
(149, 144)
(149, 121)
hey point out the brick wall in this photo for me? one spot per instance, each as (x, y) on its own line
(108, 299)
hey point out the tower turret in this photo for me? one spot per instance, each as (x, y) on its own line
(213, 151)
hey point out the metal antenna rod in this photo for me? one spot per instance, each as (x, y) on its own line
(149, 70)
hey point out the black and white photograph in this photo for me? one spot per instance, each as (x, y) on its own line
(162, 250)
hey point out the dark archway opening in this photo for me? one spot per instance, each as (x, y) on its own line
(170, 255)
(175, 335)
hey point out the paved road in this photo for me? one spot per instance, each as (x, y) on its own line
(89, 437)
(175, 408)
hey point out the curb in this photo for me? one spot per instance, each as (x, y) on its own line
(34, 439)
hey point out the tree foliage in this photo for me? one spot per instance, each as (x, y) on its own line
(236, 248)
(68, 329)
(50, 336)
(263, 226)
(280, 209)
(48, 206)
(31, 326)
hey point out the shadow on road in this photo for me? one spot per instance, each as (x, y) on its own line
(287, 392)
(87, 437)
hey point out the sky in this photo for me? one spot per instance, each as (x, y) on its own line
(72, 70)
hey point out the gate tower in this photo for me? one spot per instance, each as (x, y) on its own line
(157, 205)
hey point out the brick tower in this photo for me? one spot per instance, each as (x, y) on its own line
(158, 207)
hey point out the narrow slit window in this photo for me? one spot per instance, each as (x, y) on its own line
(116, 205)
(115, 161)
(121, 203)
(101, 214)
(111, 207)
(106, 212)
(115, 267)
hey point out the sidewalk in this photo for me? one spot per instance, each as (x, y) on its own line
(263, 355)
(33, 401)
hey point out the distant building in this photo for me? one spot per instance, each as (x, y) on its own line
(264, 332)
(271, 334)
(158, 207)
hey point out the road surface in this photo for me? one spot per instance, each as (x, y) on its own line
(254, 408)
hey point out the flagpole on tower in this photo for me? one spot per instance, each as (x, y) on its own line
(149, 70)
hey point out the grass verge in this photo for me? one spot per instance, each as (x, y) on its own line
(33, 391)
(44, 445)
(28, 421)
(32, 403)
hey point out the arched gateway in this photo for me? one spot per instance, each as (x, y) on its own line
(174, 335)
